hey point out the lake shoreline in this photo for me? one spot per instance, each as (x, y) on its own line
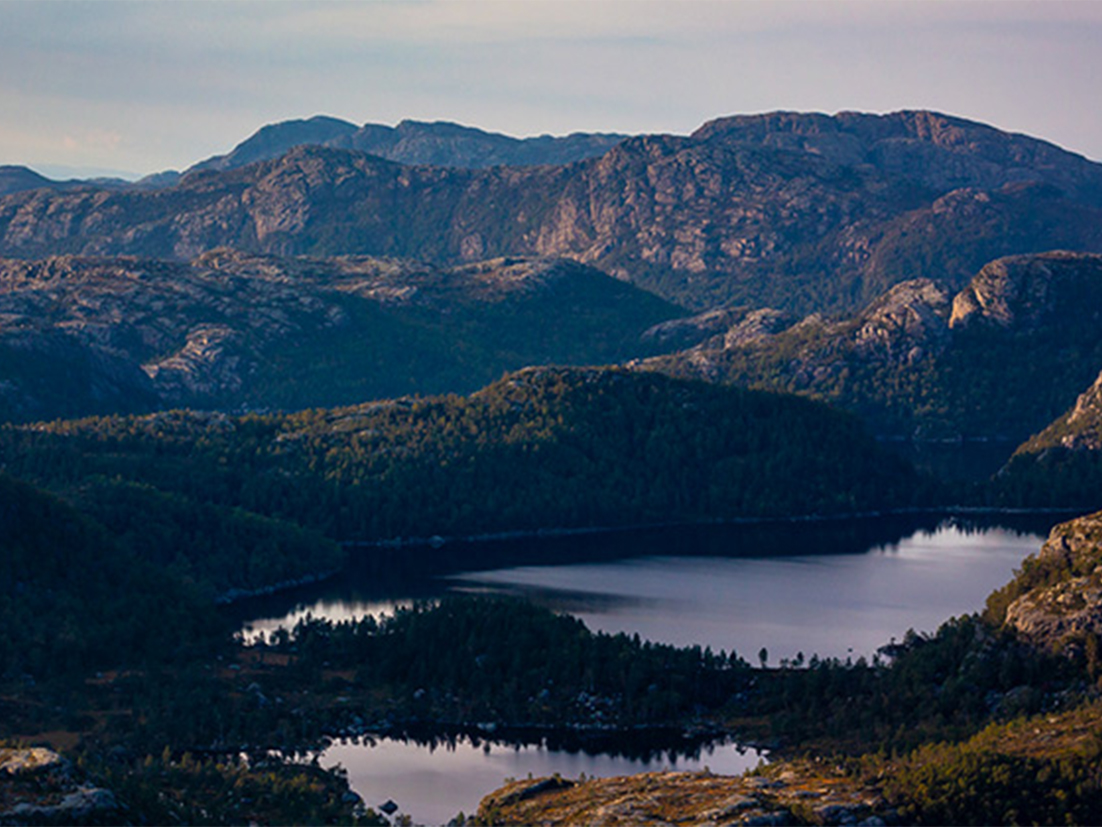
(437, 540)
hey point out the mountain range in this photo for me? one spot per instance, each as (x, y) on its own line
(800, 212)
(414, 142)
(896, 265)
(439, 143)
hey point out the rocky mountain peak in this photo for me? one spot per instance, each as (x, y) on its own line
(1022, 292)
(273, 140)
(940, 151)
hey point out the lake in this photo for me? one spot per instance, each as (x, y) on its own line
(433, 783)
(833, 588)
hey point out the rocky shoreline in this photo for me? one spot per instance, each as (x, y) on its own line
(804, 792)
(38, 786)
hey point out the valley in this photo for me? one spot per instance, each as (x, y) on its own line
(617, 429)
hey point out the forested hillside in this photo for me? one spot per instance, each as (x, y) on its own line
(74, 598)
(542, 448)
(1062, 465)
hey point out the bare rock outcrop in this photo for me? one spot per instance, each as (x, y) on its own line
(757, 325)
(1067, 604)
(907, 324)
(1024, 292)
(786, 793)
(1083, 423)
(38, 786)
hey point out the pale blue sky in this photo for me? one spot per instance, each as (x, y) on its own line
(145, 86)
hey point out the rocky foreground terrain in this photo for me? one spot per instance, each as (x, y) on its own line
(1063, 610)
(816, 792)
(38, 786)
(798, 793)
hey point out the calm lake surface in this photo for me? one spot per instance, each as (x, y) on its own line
(834, 588)
(432, 784)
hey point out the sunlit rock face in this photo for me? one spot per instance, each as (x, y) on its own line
(800, 212)
(1059, 615)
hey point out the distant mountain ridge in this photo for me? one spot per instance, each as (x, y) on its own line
(797, 212)
(438, 143)
(18, 179)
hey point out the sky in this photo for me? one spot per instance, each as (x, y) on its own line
(138, 86)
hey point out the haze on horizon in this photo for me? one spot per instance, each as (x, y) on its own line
(143, 87)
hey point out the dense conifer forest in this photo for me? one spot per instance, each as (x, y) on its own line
(543, 448)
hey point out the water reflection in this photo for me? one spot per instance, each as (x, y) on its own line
(833, 606)
(432, 781)
(835, 589)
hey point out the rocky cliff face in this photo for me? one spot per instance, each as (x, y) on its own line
(1028, 292)
(1084, 420)
(797, 212)
(80, 335)
(1001, 358)
(1060, 613)
(1062, 464)
(1078, 430)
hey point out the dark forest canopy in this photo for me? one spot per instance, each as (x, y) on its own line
(73, 598)
(542, 448)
